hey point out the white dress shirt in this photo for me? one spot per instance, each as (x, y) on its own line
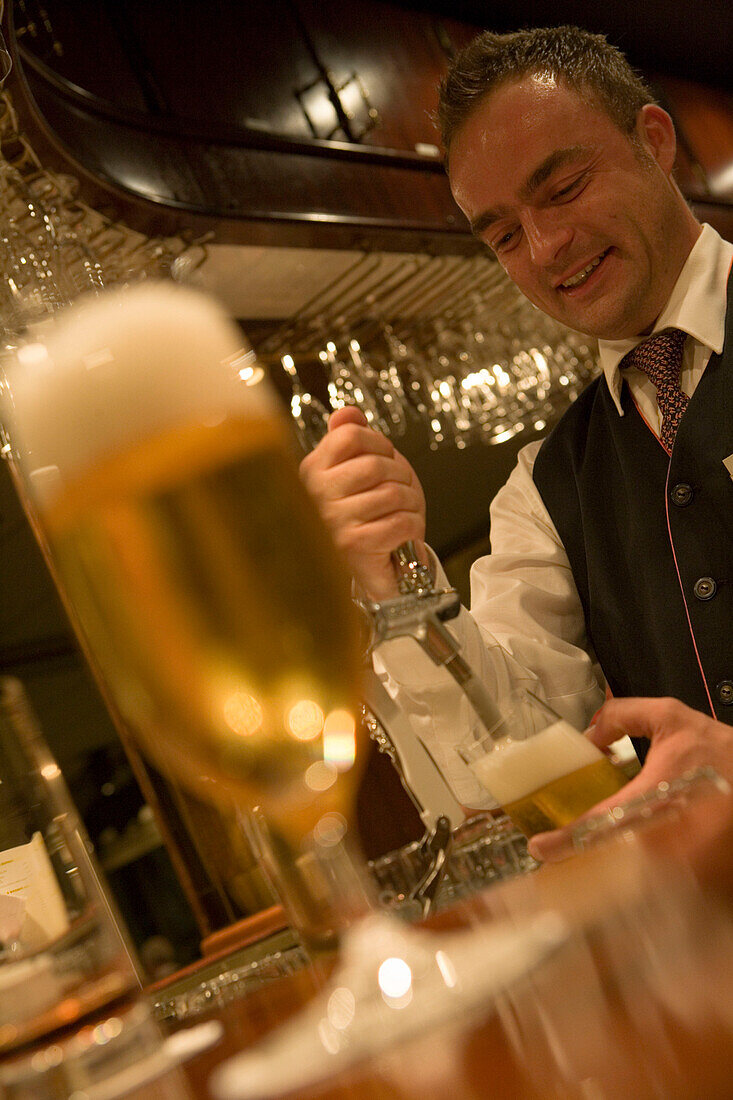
(526, 625)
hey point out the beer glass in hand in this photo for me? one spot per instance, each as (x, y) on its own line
(210, 598)
(541, 770)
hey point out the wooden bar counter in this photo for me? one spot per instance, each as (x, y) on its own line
(635, 1006)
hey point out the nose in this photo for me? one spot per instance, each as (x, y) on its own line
(547, 234)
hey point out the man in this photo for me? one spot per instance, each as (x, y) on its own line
(612, 542)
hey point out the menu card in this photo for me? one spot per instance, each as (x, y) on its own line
(27, 876)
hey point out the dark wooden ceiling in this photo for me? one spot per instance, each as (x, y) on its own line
(688, 38)
(306, 117)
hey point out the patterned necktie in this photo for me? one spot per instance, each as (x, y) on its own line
(660, 358)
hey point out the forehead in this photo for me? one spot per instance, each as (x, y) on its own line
(512, 130)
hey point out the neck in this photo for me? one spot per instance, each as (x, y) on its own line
(685, 230)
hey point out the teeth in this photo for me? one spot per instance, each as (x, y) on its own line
(581, 276)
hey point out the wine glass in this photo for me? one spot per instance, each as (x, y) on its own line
(310, 416)
(219, 616)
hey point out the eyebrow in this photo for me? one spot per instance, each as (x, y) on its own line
(557, 159)
(550, 164)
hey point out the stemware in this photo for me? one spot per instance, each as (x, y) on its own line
(73, 1017)
(310, 416)
(453, 344)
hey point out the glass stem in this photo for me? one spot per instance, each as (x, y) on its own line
(322, 886)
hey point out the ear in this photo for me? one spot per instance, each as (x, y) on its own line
(655, 130)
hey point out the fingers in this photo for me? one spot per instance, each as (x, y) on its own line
(359, 466)
(553, 846)
(367, 508)
(381, 535)
(650, 718)
(363, 473)
(557, 844)
(343, 443)
(348, 415)
(368, 496)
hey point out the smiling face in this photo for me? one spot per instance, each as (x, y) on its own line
(586, 222)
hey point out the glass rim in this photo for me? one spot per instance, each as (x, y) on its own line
(667, 795)
(488, 738)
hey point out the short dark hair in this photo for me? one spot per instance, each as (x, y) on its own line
(585, 62)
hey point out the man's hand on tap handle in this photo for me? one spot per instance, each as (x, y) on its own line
(369, 497)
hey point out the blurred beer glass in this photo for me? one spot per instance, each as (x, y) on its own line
(541, 770)
(637, 1000)
(57, 926)
(200, 581)
(72, 1013)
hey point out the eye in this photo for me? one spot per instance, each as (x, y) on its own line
(506, 241)
(570, 190)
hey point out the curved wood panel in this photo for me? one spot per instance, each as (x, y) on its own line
(172, 137)
(291, 121)
(216, 178)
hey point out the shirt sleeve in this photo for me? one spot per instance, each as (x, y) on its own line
(526, 628)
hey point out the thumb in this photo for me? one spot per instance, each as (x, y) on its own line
(348, 415)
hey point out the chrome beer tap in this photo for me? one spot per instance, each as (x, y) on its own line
(419, 612)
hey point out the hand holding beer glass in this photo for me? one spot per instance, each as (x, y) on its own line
(541, 770)
(210, 598)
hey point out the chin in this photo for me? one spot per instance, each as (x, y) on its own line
(605, 327)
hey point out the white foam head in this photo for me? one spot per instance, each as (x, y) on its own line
(113, 370)
(514, 769)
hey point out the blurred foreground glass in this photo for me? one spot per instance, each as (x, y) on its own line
(72, 1015)
(64, 953)
(210, 596)
(202, 586)
(541, 770)
(637, 1001)
(663, 805)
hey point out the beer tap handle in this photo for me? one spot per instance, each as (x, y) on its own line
(438, 807)
(420, 612)
(436, 847)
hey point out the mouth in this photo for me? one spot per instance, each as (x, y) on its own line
(580, 278)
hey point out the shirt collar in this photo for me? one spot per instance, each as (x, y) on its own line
(697, 305)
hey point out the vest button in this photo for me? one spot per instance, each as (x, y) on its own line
(681, 494)
(705, 588)
(725, 692)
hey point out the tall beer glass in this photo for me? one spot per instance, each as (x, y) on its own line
(541, 770)
(209, 596)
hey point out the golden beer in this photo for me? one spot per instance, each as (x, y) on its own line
(210, 598)
(548, 779)
(563, 800)
(201, 579)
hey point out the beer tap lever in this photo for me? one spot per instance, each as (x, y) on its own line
(420, 612)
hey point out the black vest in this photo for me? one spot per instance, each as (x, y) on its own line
(649, 538)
